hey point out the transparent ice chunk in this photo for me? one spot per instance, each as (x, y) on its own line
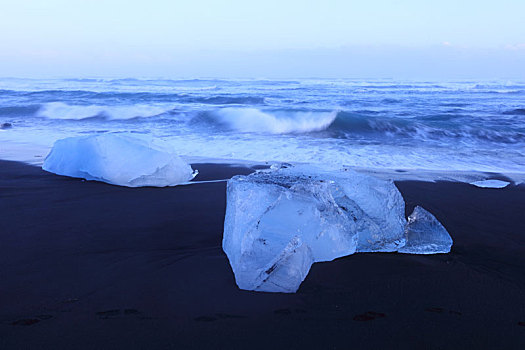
(281, 221)
(425, 234)
(490, 183)
(122, 159)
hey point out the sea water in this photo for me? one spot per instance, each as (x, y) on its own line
(387, 126)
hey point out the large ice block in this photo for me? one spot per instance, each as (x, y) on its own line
(280, 222)
(122, 159)
(425, 234)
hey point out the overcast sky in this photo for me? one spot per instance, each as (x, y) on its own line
(413, 39)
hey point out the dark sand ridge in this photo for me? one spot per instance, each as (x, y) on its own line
(95, 266)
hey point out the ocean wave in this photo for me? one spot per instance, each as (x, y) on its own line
(190, 95)
(19, 111)
(509, 92)
(379, 86)
(441, 128)
(252, 120)
(499, 86)
(517, 111)
(170, 82)
(85, 80)
(353, 125)
(100, 95)
(357, 122)
(227, 100)
(391, 100)
(59, 110)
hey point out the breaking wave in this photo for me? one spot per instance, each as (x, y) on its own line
(59, 110)
(252, 120)
(351, 125)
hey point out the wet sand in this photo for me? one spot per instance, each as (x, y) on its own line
(86, 265)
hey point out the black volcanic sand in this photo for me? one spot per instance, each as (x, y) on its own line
(86, 265)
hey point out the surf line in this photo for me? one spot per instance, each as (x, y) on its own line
(202, 182)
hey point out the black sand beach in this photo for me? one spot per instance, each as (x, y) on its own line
(86, 265)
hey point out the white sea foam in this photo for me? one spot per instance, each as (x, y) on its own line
(59, 110)
(255, 120)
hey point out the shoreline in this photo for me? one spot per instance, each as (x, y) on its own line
(34, 154)
(11, 153)
(100, 266)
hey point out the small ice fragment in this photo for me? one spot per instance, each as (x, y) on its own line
(490, 183)
(425, 234)
(122, 159)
